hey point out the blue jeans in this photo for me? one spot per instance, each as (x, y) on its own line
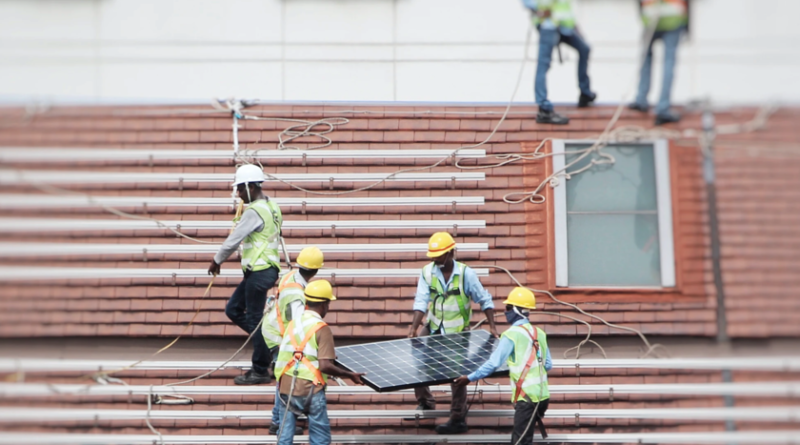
(276, 412)
(246, 308)
(548, 39)
(671, 40)
(319, 426)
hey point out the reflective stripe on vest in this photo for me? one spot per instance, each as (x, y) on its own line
(448, 308)
(671, 14)
(560, 13)
(301, 353)
(260, 249)
(274, 325)
(535, 384)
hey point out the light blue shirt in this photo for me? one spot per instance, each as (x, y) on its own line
(545, 23)
(472, 289)
(501, 355)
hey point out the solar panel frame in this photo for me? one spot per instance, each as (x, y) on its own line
(415, 362)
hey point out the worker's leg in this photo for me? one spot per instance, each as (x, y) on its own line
(576, 41)
(424, 396)
(671, 41)
(458, 405)
(547, 40)
(258, 283)
(319, 426)
(235, 308)
(276, 412)
(289, 421)
(645, 73)
(523, 423)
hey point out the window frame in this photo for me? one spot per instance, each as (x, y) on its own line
(664, 205)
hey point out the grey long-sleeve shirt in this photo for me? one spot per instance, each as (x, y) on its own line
(251, 222)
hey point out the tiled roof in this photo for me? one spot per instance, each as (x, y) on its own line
(757, 181)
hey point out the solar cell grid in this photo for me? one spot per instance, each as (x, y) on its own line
(409, 363)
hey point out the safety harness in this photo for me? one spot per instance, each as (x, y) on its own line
(281, 326)
(534, 356)
(299, 357)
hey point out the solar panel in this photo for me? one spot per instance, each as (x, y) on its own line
(409, 363)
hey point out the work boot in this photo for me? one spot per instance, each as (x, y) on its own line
(452, 427)
(421, 407)
(667, 118)
(585, 100)
(636, 106)
(274, 428)
(550, 117)
(252, 378)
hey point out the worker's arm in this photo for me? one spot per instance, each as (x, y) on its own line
(250, 222)
(548, 361)
(420, 307)
(474, 289)
(530, 4)
(296, 309)
(328, 367)
(327, 354)
(498, 357)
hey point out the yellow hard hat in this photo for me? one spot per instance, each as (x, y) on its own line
(521, 297)
(439, 244)
(310, 258)
(319, 291)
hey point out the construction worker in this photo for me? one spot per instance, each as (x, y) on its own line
(304, 362)
(669, 17)
(524, 348)
(260, 229)
(444, 291)
(556, 23)
(289, 306)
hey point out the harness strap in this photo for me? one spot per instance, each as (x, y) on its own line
(281, 322)
(300, 357)
(534, 353)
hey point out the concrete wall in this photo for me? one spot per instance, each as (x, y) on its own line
(371, 50)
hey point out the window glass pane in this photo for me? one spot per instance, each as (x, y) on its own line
(613, 250)
(627, 184)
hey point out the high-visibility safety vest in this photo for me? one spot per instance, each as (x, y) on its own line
(560, 13)
(274, 326)
(671, 14)
(260, 249)
(301, 353)
(448, 308)
(528, 359)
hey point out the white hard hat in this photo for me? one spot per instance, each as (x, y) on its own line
(248, 173)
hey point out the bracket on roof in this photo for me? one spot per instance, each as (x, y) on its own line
(610, 393)
(303, 211)
(330, 183)
(455, 229)
(180, 184)
(144, 255)
(452, 182)
(577, 420)
(333, 230)
(416, 420)
(305, 157)
(174, 279)
(150, 160)
(177, 229)
(333, 278)
(454, 207)
(144, 208)
(577, 369)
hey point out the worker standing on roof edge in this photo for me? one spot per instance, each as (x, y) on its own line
(524, 347)
(289, 306)
(673, 17)
(304, 362)
(444, 291)
(260, 229)
(556, 23)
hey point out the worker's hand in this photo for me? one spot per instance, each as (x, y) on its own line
(213, 269)
(412, 333)
(356, 377)
(543, 14)
(493, 331)
(461, 381)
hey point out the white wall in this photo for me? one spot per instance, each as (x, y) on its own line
(371, 50)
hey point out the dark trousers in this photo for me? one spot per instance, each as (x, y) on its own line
(246, 308)
(523, 411)
(458, 404)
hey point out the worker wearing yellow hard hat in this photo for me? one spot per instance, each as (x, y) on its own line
(304, 362)
(444, 291)
(289, 306)
(524, 347)
(258, 231)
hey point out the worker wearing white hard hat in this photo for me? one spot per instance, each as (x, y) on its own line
(258, 231)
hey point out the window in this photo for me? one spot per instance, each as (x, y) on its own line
(613, 222)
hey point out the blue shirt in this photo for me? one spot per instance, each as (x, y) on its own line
(472, 289)
(501, 355)
(546, 23)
